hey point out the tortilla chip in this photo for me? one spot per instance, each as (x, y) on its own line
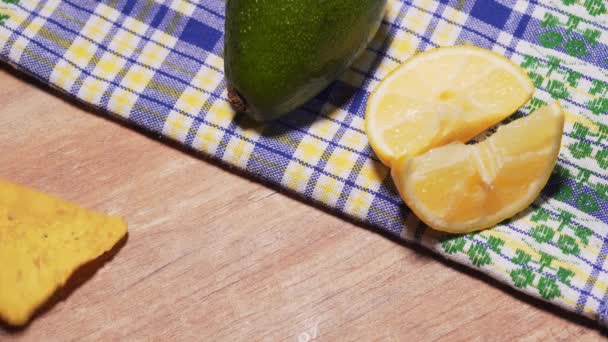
(43, 240)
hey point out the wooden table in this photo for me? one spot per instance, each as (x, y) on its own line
(214, 256)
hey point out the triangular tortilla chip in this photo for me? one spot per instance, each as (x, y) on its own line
(43, 240)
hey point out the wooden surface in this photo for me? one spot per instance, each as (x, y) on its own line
(214, 256)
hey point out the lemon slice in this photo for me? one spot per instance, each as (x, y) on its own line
(440, 96)
(461, 188)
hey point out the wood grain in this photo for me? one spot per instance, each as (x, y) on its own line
(214, 256)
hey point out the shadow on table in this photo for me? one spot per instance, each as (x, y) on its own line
(79, 277)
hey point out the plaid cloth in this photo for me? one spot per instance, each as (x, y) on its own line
(158, 64)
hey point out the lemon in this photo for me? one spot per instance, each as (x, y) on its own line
(440, 96)
(461, 188)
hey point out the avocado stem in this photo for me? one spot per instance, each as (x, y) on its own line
(236, 100)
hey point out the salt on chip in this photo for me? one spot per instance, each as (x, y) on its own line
(43, 240)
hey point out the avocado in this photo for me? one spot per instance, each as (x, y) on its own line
(280, 54)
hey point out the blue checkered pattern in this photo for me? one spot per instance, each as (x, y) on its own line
(158, 64)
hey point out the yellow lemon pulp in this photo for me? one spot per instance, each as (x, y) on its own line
(461, 188)
(440, 96)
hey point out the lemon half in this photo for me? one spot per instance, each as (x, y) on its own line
(440, 96)
(461, 188)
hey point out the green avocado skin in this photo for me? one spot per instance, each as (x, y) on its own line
(279, 54)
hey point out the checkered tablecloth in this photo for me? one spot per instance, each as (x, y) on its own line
(158, 64)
